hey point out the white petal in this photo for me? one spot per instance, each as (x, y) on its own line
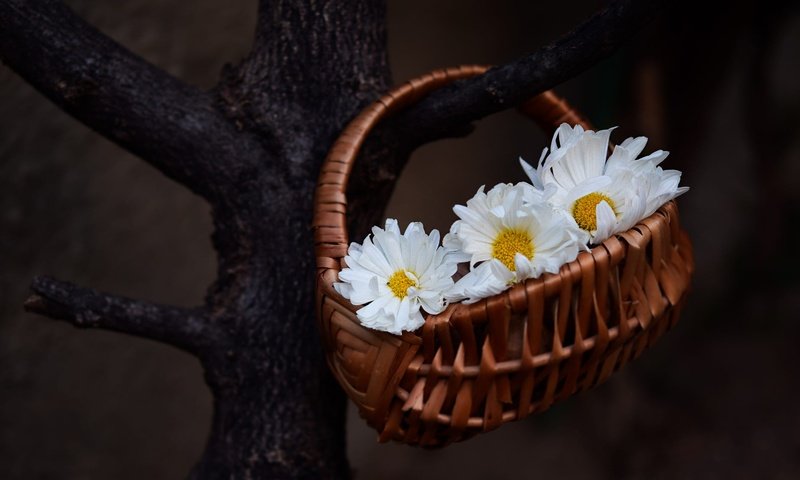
(391, 226)
(524, 269)
(488, 278)
(532, 173)
(373, 308)
(606, 222)
(634, 146)
(403, 316)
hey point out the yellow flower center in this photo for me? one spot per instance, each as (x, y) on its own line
(399, 283)
(510, 242)
(585, 210)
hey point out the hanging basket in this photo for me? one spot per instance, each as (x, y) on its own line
(474, 367)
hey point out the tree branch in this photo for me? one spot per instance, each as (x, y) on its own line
(171, 125)
(451, 109)
(187, 329)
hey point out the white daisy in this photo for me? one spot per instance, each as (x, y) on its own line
(508, 236)
(395, 274)
(602, 197)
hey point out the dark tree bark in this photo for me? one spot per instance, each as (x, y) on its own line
(252, 147)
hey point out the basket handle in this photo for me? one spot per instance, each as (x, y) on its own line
(330, 200)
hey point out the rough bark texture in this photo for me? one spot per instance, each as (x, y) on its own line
(252, 147)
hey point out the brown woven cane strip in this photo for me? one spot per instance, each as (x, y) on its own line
(474, 367)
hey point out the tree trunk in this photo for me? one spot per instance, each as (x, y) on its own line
(277, 411)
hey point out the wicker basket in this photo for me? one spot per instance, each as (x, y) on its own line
(475, 367)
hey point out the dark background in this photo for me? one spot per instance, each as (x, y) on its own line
(716, 398)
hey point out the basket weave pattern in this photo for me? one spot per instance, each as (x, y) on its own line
(475, 367)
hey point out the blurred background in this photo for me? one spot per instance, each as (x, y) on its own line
(715, 398)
